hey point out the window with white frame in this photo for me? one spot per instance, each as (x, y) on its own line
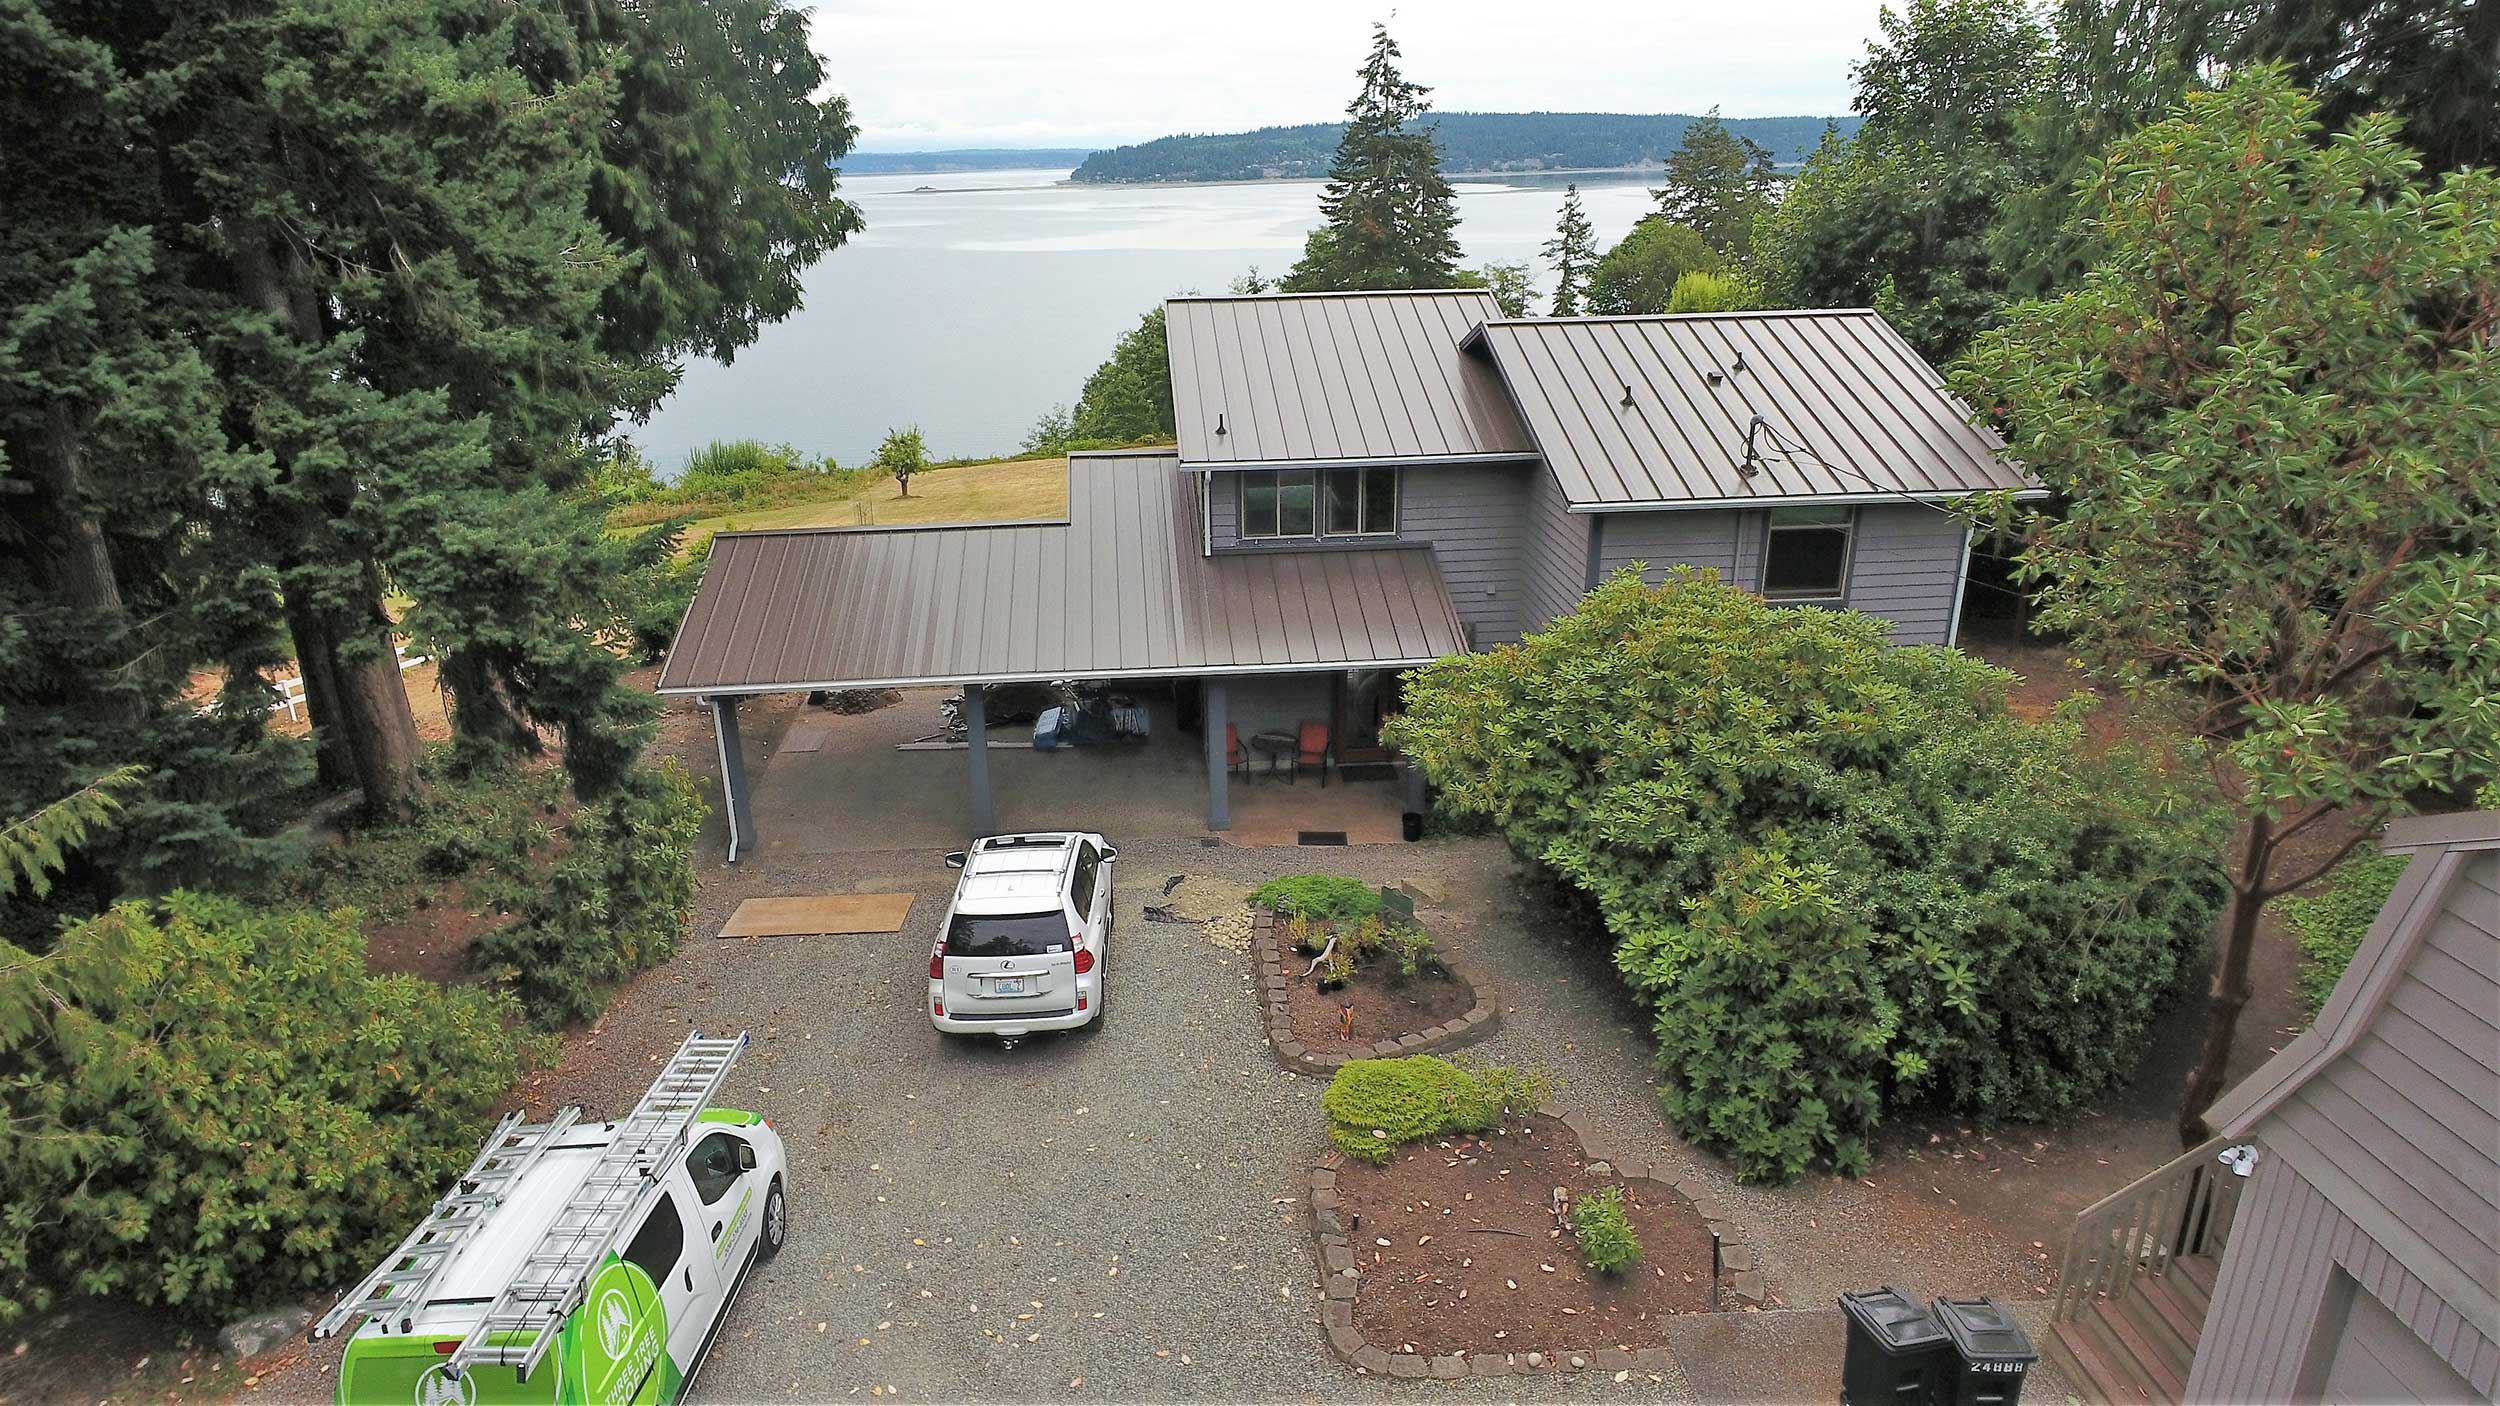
(1805, 553)
(1287, 503)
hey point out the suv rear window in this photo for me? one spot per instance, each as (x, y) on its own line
(1006, 934)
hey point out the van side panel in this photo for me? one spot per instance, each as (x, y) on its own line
(404, 1369)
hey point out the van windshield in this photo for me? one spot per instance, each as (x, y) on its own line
(1007, 934)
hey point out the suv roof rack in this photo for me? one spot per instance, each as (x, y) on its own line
(554, 1274)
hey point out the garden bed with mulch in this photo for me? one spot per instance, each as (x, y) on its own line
(1458, 1247)
(1321, 1012)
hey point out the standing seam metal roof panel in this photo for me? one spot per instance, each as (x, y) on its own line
(1336, 376)
(1118, 589)
(1874, 415)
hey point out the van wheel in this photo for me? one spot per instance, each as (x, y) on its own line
(776, 1222)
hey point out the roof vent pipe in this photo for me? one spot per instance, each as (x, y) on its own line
(1627, 395)
(1740, 362)
(1219, 423)
(1714, 376)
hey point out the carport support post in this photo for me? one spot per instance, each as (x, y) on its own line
(733, 774)
(1219, 776)
(977, 759)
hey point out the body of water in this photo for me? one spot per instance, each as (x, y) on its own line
(970, 309)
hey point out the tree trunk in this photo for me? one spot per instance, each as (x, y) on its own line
(481, 713)
(2229, 993)
(367, 710)
(316, 659)
(81, 566)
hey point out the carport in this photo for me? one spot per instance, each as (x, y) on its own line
(1121, 589)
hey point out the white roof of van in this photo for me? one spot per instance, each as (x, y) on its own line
(493, 1254)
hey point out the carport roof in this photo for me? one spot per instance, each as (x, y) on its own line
(1119, 589)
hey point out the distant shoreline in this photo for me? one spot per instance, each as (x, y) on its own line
(1627, 171)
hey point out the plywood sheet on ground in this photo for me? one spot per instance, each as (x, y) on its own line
(819, 913)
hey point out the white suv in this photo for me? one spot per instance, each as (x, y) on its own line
(1023, 945)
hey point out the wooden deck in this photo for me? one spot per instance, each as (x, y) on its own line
(2134, 1349)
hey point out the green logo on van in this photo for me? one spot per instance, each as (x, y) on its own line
(438, 1387)
(626, 1331)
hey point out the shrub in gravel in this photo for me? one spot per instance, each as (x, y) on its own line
(1605, 1232)
(1374, 1105)
(1841, 873)
(1322, 896)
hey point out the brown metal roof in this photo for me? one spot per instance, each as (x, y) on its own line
(1841, 384)
(1119, 590)
(1320, 378)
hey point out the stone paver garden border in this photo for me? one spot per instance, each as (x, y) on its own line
(1481, 1019)
(1742, 1283)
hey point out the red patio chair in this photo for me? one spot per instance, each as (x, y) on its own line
(1232, 748)
(1313, 750)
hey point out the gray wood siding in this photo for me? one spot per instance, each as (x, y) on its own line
(2287, 1241)
(1903, 567)
(2400, 1130)
(1709, 538)
(1473, 515)
(2378, 1359)
(1557, 551)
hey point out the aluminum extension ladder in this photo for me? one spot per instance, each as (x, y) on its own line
(395, 1290)
(553, 1278)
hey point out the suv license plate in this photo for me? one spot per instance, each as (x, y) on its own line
(1007, 986)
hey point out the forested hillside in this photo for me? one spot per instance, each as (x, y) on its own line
(1470, 141)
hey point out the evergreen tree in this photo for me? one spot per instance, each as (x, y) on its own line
(1391, 219)
(1717, 183)
(1572, 251)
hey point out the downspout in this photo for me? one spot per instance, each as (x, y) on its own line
(1961, 587)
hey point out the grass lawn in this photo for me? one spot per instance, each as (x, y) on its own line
(1020, 488)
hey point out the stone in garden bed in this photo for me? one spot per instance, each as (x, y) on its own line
(1475, 1214)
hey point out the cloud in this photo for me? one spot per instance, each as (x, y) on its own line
(1102, 72)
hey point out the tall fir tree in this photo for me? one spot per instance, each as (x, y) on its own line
(1391, 220)
(1573, 252)
(1717, 182)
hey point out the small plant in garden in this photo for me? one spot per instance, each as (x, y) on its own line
(1374, 1105)
(1325, 896)
(1605, 1232)
(1410, 947)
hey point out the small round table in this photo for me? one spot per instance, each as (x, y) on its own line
(1278, 747)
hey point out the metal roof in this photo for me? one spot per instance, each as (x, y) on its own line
(1336, 378)
(1851, 410)
(1118, 590)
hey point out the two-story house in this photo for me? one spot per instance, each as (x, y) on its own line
(1364, 482)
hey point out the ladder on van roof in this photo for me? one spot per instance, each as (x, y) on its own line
(553, 1277)
(395, 1290)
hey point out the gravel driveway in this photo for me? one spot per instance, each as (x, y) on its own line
(1105, 1216)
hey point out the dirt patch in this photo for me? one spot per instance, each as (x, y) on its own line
(1384, 1007)
(1457, 1250)
(433, 940)
(110, 1352)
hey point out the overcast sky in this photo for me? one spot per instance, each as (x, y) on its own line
(924, 74)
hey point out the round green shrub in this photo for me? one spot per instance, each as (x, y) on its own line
(1607, 1242)
(1318, 896)
(1374, 1105)
(1844, 877)
(209, 1107)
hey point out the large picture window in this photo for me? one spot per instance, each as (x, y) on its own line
(1805, 554)
(1279, 503)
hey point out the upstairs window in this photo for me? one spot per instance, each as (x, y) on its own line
(1284, 503)
(1805, 553)
(1362, 502)
(1277, 503)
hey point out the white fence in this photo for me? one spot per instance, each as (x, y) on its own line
(291, 691)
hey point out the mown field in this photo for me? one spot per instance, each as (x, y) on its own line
(1017, 488)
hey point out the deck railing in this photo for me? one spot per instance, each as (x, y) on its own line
(2181, 1208)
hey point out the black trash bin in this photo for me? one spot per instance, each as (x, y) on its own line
(1411, 825)
(1898, 1354)
(1992, 1353)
